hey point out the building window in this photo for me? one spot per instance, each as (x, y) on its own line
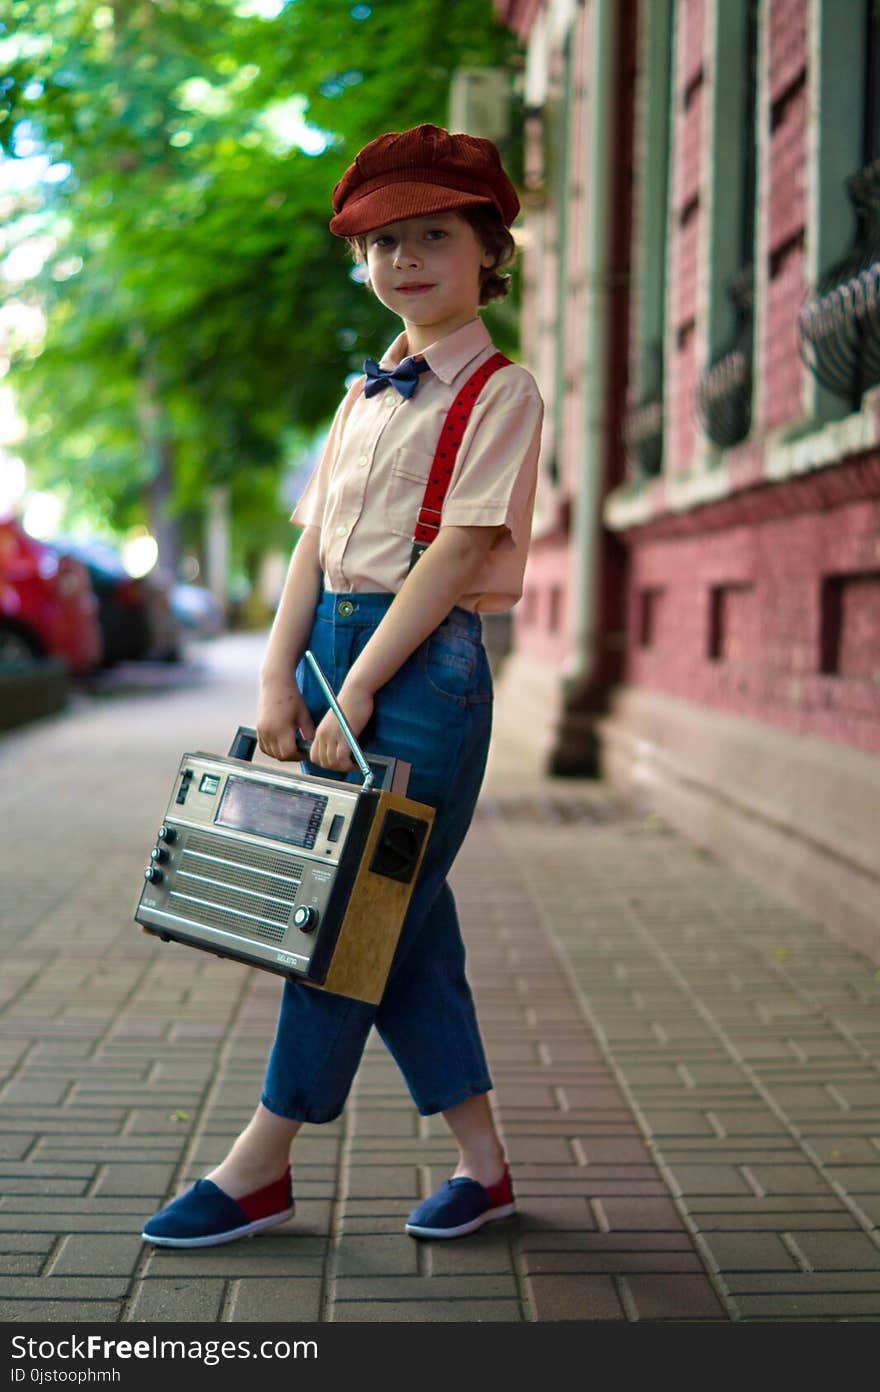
(850, 629)
(650, 603)
(838, 324)
(724, 391)
(643, 425)
(731, 622)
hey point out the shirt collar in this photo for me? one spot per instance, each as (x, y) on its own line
(448, 356)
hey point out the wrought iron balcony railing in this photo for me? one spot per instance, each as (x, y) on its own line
(643, 438)
(723, 398)
(839, 326)
(643, 423)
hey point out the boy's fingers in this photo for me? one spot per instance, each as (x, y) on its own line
(305, 722)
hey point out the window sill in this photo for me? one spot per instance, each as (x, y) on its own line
(787, 454)
(791, 454)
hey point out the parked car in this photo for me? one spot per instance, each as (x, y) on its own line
(136, 617)
(47, 605)
(198, 610)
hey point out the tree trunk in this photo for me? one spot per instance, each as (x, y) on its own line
(163, 524)
(217, 543)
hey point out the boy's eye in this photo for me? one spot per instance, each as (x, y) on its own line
(386, 240)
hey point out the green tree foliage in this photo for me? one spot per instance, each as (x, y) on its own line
(200, 315)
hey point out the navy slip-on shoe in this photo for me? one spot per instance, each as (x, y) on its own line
(460, 1206)
(205, 1216)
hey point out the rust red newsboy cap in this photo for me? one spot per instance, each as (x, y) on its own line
(416, 172)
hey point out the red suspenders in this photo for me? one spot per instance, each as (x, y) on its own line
(428, 524)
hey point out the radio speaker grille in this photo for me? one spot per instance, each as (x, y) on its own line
(239, 877)
(231, 898)
(267, 861)
(214, 887)
(231, 921)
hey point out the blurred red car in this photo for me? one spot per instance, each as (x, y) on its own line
(47, 605)
(136, 615)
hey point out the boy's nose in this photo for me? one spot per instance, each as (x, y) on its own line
(406, 256)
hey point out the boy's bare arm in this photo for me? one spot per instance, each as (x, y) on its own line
(434, 586)
(282, 711)
(443, 574)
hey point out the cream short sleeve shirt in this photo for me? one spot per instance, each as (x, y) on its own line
(366, 489)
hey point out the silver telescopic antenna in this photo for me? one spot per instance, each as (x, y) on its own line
(353, 745)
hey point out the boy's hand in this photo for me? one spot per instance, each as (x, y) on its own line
(280, 713)
(330, 747)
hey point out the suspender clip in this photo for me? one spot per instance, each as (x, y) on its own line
(417, 548)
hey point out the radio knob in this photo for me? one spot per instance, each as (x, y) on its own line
(167, 834)
(153, 874)
(159, 854)
(306, 918)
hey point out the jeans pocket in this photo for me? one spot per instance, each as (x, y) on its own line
(450, 662)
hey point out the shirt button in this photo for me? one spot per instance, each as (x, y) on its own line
(342, 529)
(363, 461)
(391, 400)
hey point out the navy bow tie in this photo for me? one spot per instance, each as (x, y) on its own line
(405, 377)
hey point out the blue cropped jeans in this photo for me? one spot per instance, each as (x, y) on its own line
(435, 713)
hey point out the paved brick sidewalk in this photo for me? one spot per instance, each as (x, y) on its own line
(745, 1041)
(686, 1073)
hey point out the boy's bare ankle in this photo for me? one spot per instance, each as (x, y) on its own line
(486, 1168)
(241, 1174)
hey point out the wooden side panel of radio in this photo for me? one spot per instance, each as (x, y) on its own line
(377, 907)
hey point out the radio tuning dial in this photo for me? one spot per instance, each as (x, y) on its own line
(306, 918)
(153, 874)
(159, 853)
(167, 834)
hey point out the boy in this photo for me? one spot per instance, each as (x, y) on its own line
(415, 521)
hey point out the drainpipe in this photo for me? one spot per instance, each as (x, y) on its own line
(584, 574)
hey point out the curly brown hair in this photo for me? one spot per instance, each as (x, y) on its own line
(493, 236)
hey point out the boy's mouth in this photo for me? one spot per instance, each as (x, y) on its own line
(415, 289)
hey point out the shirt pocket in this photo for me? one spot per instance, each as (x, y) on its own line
(406, 489)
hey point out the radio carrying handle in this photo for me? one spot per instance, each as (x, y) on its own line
(244, 744)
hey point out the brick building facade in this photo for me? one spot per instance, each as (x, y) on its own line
(701, 616)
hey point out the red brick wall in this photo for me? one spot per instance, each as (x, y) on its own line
(765, 604)
(690, 96)
(790, 607)
(577, 289)
(856, 635)
(543, 615)
(778, 359)
(542, 619)
(518, 15)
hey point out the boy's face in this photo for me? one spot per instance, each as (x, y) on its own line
(427, 270)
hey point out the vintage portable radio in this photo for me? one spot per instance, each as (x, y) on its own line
(307, 877)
